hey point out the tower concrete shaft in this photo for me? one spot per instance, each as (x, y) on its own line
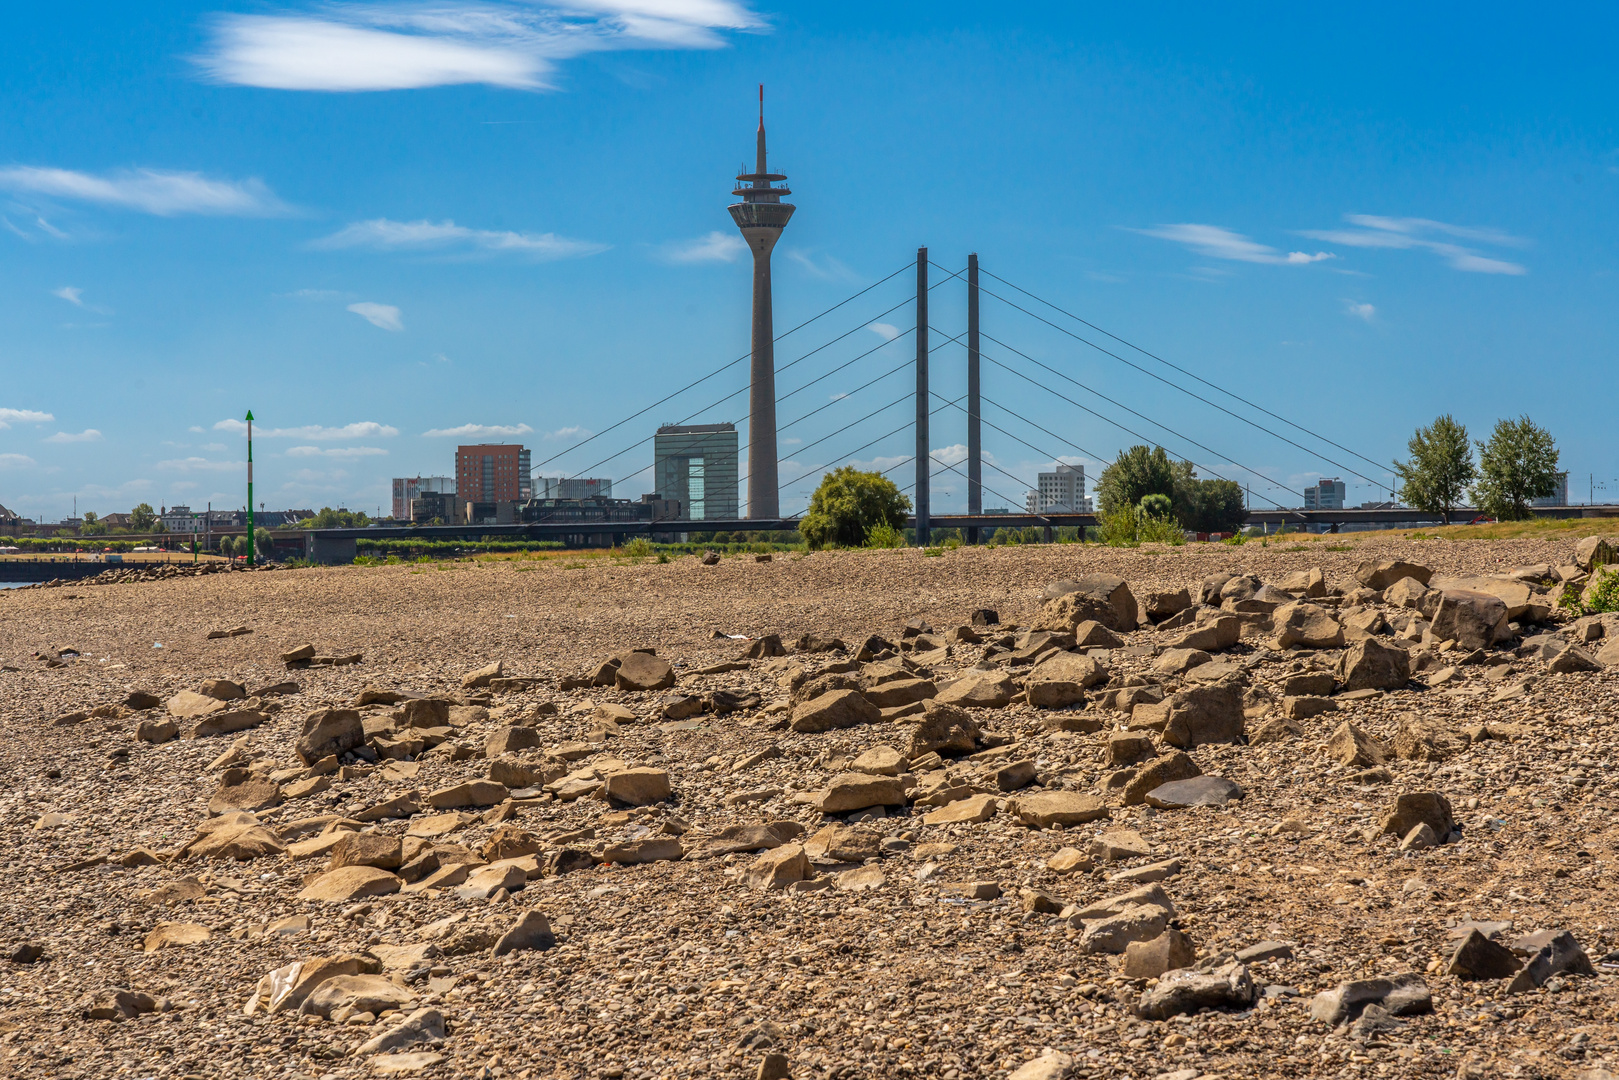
(761, 215)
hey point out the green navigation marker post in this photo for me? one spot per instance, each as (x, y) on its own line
(250, 487)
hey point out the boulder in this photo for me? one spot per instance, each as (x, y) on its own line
(1129, 747)
(974, 808)
(880, 760)
(328, 733)
(1374, 665)
(1573, 659)
(1306, 626)
(237, 836)
(1204, 714)
(1418, 739)
(1239, 587)
(247, 793)
(778, 868)
(944, 729)
(510, 740)
(764, 648)
(1595, 551)
(897, 692)
(1091, 634)
(1044, 809)
(1220, 633)
(1559, 954)
(1167, 952)
(421, 1026)
(1101, 597)
(1175, 765)
(1353, 747)
(1474, 620)
(483, 676)
(834, 710)
(223, 689)
(1113, 933)
(639, 787)
(1379, 574)
(1189, 990)
(157, 731)
(641, 671)
(1402, 995)
(843, 843)
(189, 705)
(228, 722)
(1179, 661)
(473, 793)
(531, 931)
(1420, 808)
(367, 849)
(1406, 593)
(1477, 957)
(1310, 583)
(1195, 791)
(351, 883)
(1518, 596)
(980, 690)
(859, 791)
(510, 842)
(651, 849)
(1307, 706)
(359, 993)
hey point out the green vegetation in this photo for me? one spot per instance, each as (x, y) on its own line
(1441, 467)
(848, 505)
(884, 535)
(1518, 464)
(336, 519)
(1143, 472)
(143, 519)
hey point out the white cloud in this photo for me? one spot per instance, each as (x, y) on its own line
(1406, 234)
(392, 46)
(15, 461)
(87, 435)
(573, 432)
(152, 191)
(23, 416)
(197, 464)
(336, 451)
(469, 430)
(884, 330)
(717, 246)
(839, 396)
(70, 294)
(365, 429)
(1216, 242)
(1360, 311)
(381, 234)
(385, 316)
(826, 268)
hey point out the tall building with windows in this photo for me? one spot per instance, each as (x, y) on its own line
(408, 488)
(695, 464)
(1326, 495)
(1063, 491)
(492, 473)
(577, 487)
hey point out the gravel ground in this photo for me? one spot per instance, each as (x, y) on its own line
(894, 957)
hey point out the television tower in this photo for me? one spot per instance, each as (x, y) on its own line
(761, 215)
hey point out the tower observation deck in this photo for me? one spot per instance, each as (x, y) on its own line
(761, 215)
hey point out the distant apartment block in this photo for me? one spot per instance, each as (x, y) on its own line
(1556, 498)
(1325, 495)
(578, 487)
(1031, 502)
(695, 465)
(407, 488)
(492, 473)
(1062, 491)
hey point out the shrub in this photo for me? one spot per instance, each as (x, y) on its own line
(849, 505)
(884, 536)
(639, 547)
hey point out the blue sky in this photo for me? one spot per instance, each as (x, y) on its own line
(391, 227)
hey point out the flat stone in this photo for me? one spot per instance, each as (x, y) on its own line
(1196, 791)
(858, 791)
(1044, 809)
(1151, 959)
(351, 883)
(975, 808)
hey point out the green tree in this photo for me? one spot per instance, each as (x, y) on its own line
(92, 525)
(848, 505)
(336, 519)
(1440, 468)
(142, 519)
(263, 545)
(1134, 474)
(1213, 506)
(1518, 464)
(1157, 506)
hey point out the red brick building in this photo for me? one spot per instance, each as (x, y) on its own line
(491, 473)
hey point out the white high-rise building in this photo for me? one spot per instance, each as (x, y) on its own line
(1062, 491)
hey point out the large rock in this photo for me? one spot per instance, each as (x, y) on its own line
(859, 791)
(228, 723)
(1061, 680)
(351, 883)
(1114, 933)
(979, 690)
(1195, 791)
(483, 676)
(473, 793)
(1516, 595)
(1379, 574)
(838, 709)
(1477, 957)
(778, 868)
(1420, 808)
(421, 1026)
(1406, 593)
(1595, 551)
(1044, 809)
(531, 931)
(188, 705)
(1401, 995)
(360, 993)
(285, 988)
(329, 732)
(1310, 583)
(1189, 990)
(973, 809)
(1373, 665)
(367, 849)
(248, 793)
(944, 729)
(1351, 746)
(237, 836)
(639, 787)
(1175, 765)
(1102, 597)
(1204, 714)
(1419, 739)
(1219, 633)
(897, 692)
(643, 671)
(1151, 959)
(1573, 659)
(1307, 626)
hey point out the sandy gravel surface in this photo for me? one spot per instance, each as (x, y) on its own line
(883, 963)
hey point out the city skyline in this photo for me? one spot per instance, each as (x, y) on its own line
(383, 261)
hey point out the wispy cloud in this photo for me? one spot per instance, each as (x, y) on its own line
(1360, 310)
(381, 234)
(884, 330)
(70, 294)
(23, 416)
(824, 267)
(1216, 242)
(469, 430)
(152, 191)
(717, 246)
(1437, 237)
(16, 461)
(573, 432)
(395, 46)
(87, 435)
(364, 429)
(336, 451)
(385, 316)
(197, 464)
